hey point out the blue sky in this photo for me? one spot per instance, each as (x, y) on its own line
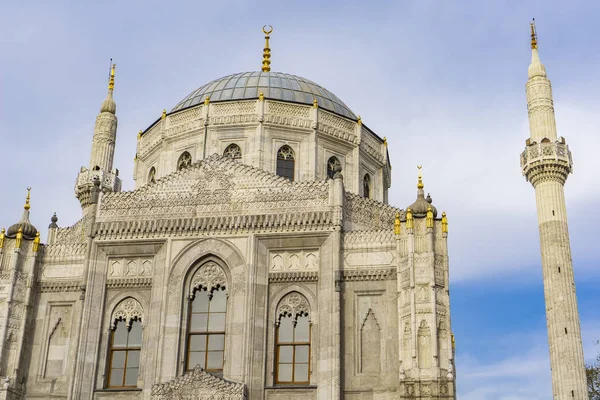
(443, 81)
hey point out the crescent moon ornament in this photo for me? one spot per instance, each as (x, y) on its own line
(269, 31)
(419, 166)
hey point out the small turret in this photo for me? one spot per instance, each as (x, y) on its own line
(28, 231)
(420, 207)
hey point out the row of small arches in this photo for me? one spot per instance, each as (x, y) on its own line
(286, 164)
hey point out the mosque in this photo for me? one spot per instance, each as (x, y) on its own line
(256, 258)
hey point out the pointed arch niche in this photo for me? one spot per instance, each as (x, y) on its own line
(370, 344)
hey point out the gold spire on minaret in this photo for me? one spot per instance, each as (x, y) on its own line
(420, 183)
(111, 80)
(27, 206)
(533, 35)
(266, 63)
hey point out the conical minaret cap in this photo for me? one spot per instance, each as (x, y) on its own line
(109, 105)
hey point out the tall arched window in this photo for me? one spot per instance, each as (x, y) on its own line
(332, 164)
(185, 160)
(207, 316)
(125, 345)
(152, 175)
(233, 151)
(292, 338)
(286, 162)
(367, 186)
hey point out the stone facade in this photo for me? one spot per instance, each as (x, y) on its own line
(371, 279)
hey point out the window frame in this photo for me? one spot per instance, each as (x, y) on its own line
(152, 175)
(231, 145)
(367, 184)
(286, 161)
(331, 172)
(127, 350)
(180, 159)
(189, 333)
(294, 345)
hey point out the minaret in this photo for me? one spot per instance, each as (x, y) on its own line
(546, 163)
(103, 150)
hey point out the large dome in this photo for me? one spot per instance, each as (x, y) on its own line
(273, 85)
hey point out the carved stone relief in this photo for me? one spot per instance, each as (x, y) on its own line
(292, 305)
(127, 310)
(300, 260)
(422, 293)
(198, 384)
(129, 267)
(210, 276)
(424, 345)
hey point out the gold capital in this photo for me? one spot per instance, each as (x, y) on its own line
(36, 242)
(444, 223)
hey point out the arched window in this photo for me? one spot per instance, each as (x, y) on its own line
(286, 162)
(332, 164)
(185, 160)
(207, 316)
(233, 151)
(152, 175)
(367, 186)
(292, 338)
(125, 344)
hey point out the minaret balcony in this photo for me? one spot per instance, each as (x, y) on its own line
(546, 156)
(109, 181)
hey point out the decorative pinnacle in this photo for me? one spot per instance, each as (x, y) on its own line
(261, 96)
(111, 80)
(139, 134)
(315, 103)
(207, 100)
(409, 219)
(444, 223)
(397, 224)
(27, 206)
(359, 120)
(385, 141)
(36, 243)
(429, 219)
(266, 63)
(533, 35)
(420, 184)
(164, 114)
(2, 236)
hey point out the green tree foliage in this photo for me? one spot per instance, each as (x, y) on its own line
(593, 378)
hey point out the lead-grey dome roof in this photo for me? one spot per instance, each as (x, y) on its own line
(273, 85)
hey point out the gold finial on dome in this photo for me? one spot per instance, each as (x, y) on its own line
(359, 120)
(207, 100)
(36, 243)
(111, 79)
(420, 183)
(444, 223)
(2, 236)
(266, 63)
(315, 103)
(397, 224)
(533, 35)
(261, 96)
(27, 206)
